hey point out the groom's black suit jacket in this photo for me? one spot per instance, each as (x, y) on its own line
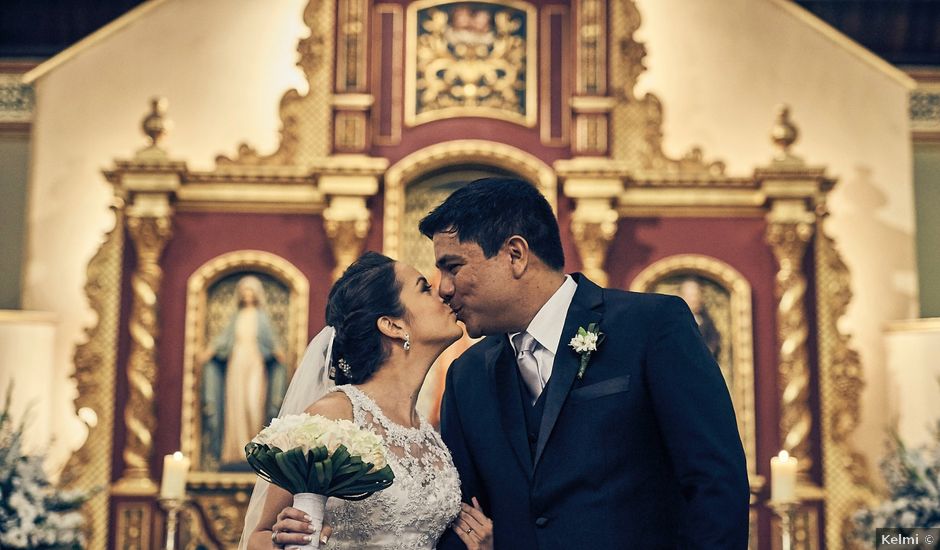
(641, 453)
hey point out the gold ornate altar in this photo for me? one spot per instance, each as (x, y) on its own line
(405, 99)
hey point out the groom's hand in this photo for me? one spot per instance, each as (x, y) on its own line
(293, 527)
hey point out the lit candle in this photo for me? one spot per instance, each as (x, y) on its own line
(175, 468)
(783, 478)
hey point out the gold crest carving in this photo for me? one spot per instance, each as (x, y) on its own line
(471, 59)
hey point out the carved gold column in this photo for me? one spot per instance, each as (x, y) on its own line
(793, 191)
(788, 232)
(796, 195)
(147, 181)
(348, 182)
(594, 186)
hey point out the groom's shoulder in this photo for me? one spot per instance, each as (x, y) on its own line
(645, 303)
(473, 359)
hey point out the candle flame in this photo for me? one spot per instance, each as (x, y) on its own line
(178, 455)
(784, 456)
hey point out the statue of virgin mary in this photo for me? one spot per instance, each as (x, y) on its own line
(243, 379)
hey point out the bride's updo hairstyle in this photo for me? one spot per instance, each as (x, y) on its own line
(367, 290)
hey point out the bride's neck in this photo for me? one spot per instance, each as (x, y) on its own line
(397, 382)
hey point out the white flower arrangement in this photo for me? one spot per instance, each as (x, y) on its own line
(311, 431)
(33, 513)
(305, 453)
(913, 480)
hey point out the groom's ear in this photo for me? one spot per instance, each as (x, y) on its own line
(518, 249)
(390, 327)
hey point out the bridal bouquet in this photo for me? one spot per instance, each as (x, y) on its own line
(314, 458)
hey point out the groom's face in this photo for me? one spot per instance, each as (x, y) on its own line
(477, 288)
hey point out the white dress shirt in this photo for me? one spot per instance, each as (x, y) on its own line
(547, 325)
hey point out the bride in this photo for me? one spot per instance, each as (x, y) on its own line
(388, 327)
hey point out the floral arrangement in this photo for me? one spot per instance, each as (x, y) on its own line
(913, 479)
(322, 456)
(33, 513)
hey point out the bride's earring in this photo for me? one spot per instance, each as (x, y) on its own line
(407, 345)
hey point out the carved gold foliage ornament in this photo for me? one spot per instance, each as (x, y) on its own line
(95, 368)
(788, 242)
(347, 237)
(471, 59)
(304, 118)
(848, 482)
(150, 235)
(636, 132)
(593, 237)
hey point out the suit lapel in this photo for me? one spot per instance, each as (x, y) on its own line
(585, 309)
(499, 362)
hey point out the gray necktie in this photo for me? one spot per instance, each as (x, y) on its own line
(525, 345)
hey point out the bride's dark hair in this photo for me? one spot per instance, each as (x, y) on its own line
(367, 290)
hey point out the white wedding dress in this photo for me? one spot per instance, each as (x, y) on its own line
(421, 503)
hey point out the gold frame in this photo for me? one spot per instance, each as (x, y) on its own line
(742, 338)
(197, 285)
(531, 70)
(395, 58)
(447, 153)
(545, 105)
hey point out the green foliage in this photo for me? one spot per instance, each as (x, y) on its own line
(338, 475)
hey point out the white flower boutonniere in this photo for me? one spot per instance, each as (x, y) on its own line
(584, 343)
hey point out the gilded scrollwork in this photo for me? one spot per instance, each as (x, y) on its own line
(788, 241)
(347, 238)
(471, 59)
(150, 235)
(95, 368)
(848, 481)
(636, 134)
(592, 235)
(134, 525)
(303, 116)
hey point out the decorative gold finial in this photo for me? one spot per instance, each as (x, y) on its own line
(784, 133)
(154, 124)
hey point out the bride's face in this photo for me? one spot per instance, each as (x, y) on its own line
(430, 320)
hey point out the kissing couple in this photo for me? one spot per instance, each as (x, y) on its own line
(586, 418)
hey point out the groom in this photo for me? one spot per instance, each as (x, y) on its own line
(640, 451)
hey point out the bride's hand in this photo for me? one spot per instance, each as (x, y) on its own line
(473, 527)
(294, 527)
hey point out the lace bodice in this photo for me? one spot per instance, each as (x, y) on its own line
(421, 503)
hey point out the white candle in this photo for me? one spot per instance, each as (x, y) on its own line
(175, 468)
(783, 478)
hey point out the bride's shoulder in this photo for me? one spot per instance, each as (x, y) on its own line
(334, 405)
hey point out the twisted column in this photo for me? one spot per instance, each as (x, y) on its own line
(788, 241)
(150, 235)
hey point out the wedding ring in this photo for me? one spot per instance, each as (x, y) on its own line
(469, 530)
(274, 537)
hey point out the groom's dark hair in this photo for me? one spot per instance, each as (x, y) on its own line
(490, 210)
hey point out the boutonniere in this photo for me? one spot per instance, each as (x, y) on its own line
(584, 343)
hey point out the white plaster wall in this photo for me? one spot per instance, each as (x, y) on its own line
(222, 64)
(913, 348)
(27, 341)
(721, 66)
